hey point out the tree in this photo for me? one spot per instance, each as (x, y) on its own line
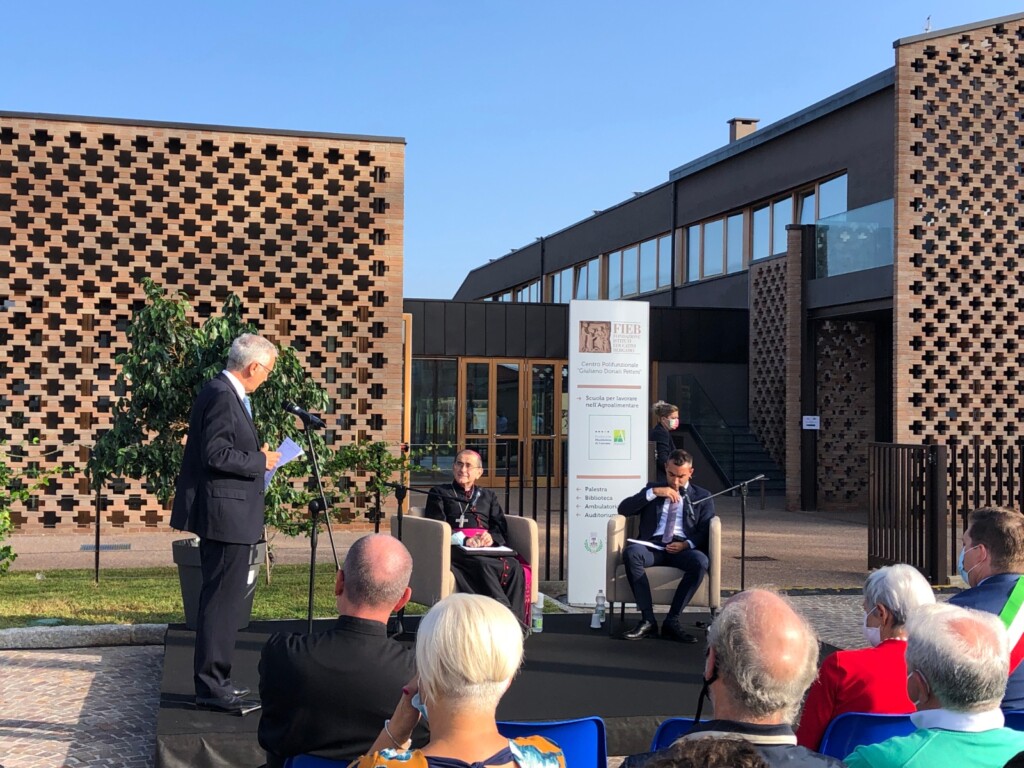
(17, 486)
(168, 361)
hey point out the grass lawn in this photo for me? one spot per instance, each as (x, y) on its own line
(153, 596)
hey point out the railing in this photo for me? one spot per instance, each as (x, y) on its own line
(907, 520)
(716, 437)
(854, 240)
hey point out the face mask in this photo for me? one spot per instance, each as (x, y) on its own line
(916, 702)
(872, 635)
(964, 573)
(417, 702)
(673, 423)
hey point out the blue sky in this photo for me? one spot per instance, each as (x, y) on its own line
(521, 118)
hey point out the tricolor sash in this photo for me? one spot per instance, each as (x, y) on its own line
(1013, 619)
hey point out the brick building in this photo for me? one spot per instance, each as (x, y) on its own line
(870, 245)
(306, 228)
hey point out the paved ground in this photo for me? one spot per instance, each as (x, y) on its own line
(98, 706)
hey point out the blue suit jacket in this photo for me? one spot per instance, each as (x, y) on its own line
(990, 596)
(695, 529)
(219, 494)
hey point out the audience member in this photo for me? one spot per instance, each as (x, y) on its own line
(477, 520)
(958, 660)
(327, 693)
(869, 679)
(468, 649)
(992, 564)
(709, 753)
(762, 656)
(675, 520)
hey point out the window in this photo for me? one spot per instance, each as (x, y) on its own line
(782, 214)
(664, 261)
(588, 280)
(561, 286)
(760, 233)
(529, 293)
(714, 250)
(807, 214)
(734, 243)
(640, 268)
(648, 266)
(832, 197)
(693, 253)
(615, 275)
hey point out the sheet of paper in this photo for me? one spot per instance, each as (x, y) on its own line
(289, 451)
(487, 550)
(648, 544)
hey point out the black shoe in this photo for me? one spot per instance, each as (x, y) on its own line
(673, 630)
(640, 631)
(240, 691)
(233, 704)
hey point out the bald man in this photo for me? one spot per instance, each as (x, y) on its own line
(328, 693)
(762, 657)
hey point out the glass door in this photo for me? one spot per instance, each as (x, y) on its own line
(548, 419)
(492, 416)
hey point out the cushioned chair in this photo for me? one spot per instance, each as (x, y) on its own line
(312, 761)
(429, 542)
(670, 730)
(1014, 719)
(582, 741)
(663, 578)
(851, 729)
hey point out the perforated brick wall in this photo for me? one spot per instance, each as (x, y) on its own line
(958, 308)
(768, 355)
(305, 228)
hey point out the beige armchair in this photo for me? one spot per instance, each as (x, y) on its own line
(664, 579)
(429, 543)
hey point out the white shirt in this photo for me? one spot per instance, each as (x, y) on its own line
(239, 389)
(663, 519)
(970, 722)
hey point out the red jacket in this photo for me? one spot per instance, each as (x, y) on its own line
(865, 680)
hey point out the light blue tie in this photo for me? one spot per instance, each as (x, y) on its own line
(248, 405)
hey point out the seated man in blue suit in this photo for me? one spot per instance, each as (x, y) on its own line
(674, 518)
(992, 564)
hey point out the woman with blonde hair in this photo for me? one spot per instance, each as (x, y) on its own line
(468, 649)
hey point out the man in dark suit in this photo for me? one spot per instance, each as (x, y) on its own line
(675, 521)
(219, 497)
(328, 693)
(992, 564)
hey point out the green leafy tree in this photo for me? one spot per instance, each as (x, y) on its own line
(167, 362)
(18, 486)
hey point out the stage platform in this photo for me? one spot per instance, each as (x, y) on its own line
(570, 671)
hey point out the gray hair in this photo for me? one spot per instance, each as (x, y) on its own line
(964, 655)
(250, 348)
(900, 588)
(751, 675)
(468, 649)
(377, 570)
(662, 409)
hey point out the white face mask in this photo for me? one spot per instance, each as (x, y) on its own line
(872, 635)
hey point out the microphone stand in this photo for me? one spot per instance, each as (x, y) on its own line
(316, 506)
(742, 486)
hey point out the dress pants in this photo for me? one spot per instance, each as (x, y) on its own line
(225, 570)
(638, 558)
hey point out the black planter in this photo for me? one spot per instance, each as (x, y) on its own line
(190, 576)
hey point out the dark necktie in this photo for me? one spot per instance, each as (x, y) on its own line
(670, 523)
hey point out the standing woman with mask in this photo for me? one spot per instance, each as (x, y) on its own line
(872, 679)
(667, 416)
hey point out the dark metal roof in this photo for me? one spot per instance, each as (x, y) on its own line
(837, 101)
(199, 127)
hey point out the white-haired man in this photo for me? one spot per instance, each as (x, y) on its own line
(957, 660)
(219, 497)
(762, 657)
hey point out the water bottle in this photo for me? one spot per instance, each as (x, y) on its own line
(537, 615)
(600, 605)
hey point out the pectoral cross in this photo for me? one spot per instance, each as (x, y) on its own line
(461, 520)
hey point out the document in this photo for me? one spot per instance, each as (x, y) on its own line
(289, 451)
(486, 550)
(648, 544)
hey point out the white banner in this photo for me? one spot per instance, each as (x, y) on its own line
(609, 363)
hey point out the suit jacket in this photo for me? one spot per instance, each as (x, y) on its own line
(695, 528)
(329, 693)
(663, 446)
(862, 680)
(219, 494)
(990, 596)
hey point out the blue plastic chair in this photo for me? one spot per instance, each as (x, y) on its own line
(312, 761)
(851, 729)
(582, 741)
(670, 730)
(1014, 719)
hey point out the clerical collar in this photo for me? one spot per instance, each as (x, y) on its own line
(467, 492)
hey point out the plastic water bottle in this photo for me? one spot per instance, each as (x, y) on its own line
(600, 605)
(537, 615)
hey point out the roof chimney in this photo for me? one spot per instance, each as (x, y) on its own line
(740, 127)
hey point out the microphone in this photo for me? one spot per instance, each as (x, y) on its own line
(310, 420)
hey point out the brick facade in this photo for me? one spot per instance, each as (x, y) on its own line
(306, 228)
